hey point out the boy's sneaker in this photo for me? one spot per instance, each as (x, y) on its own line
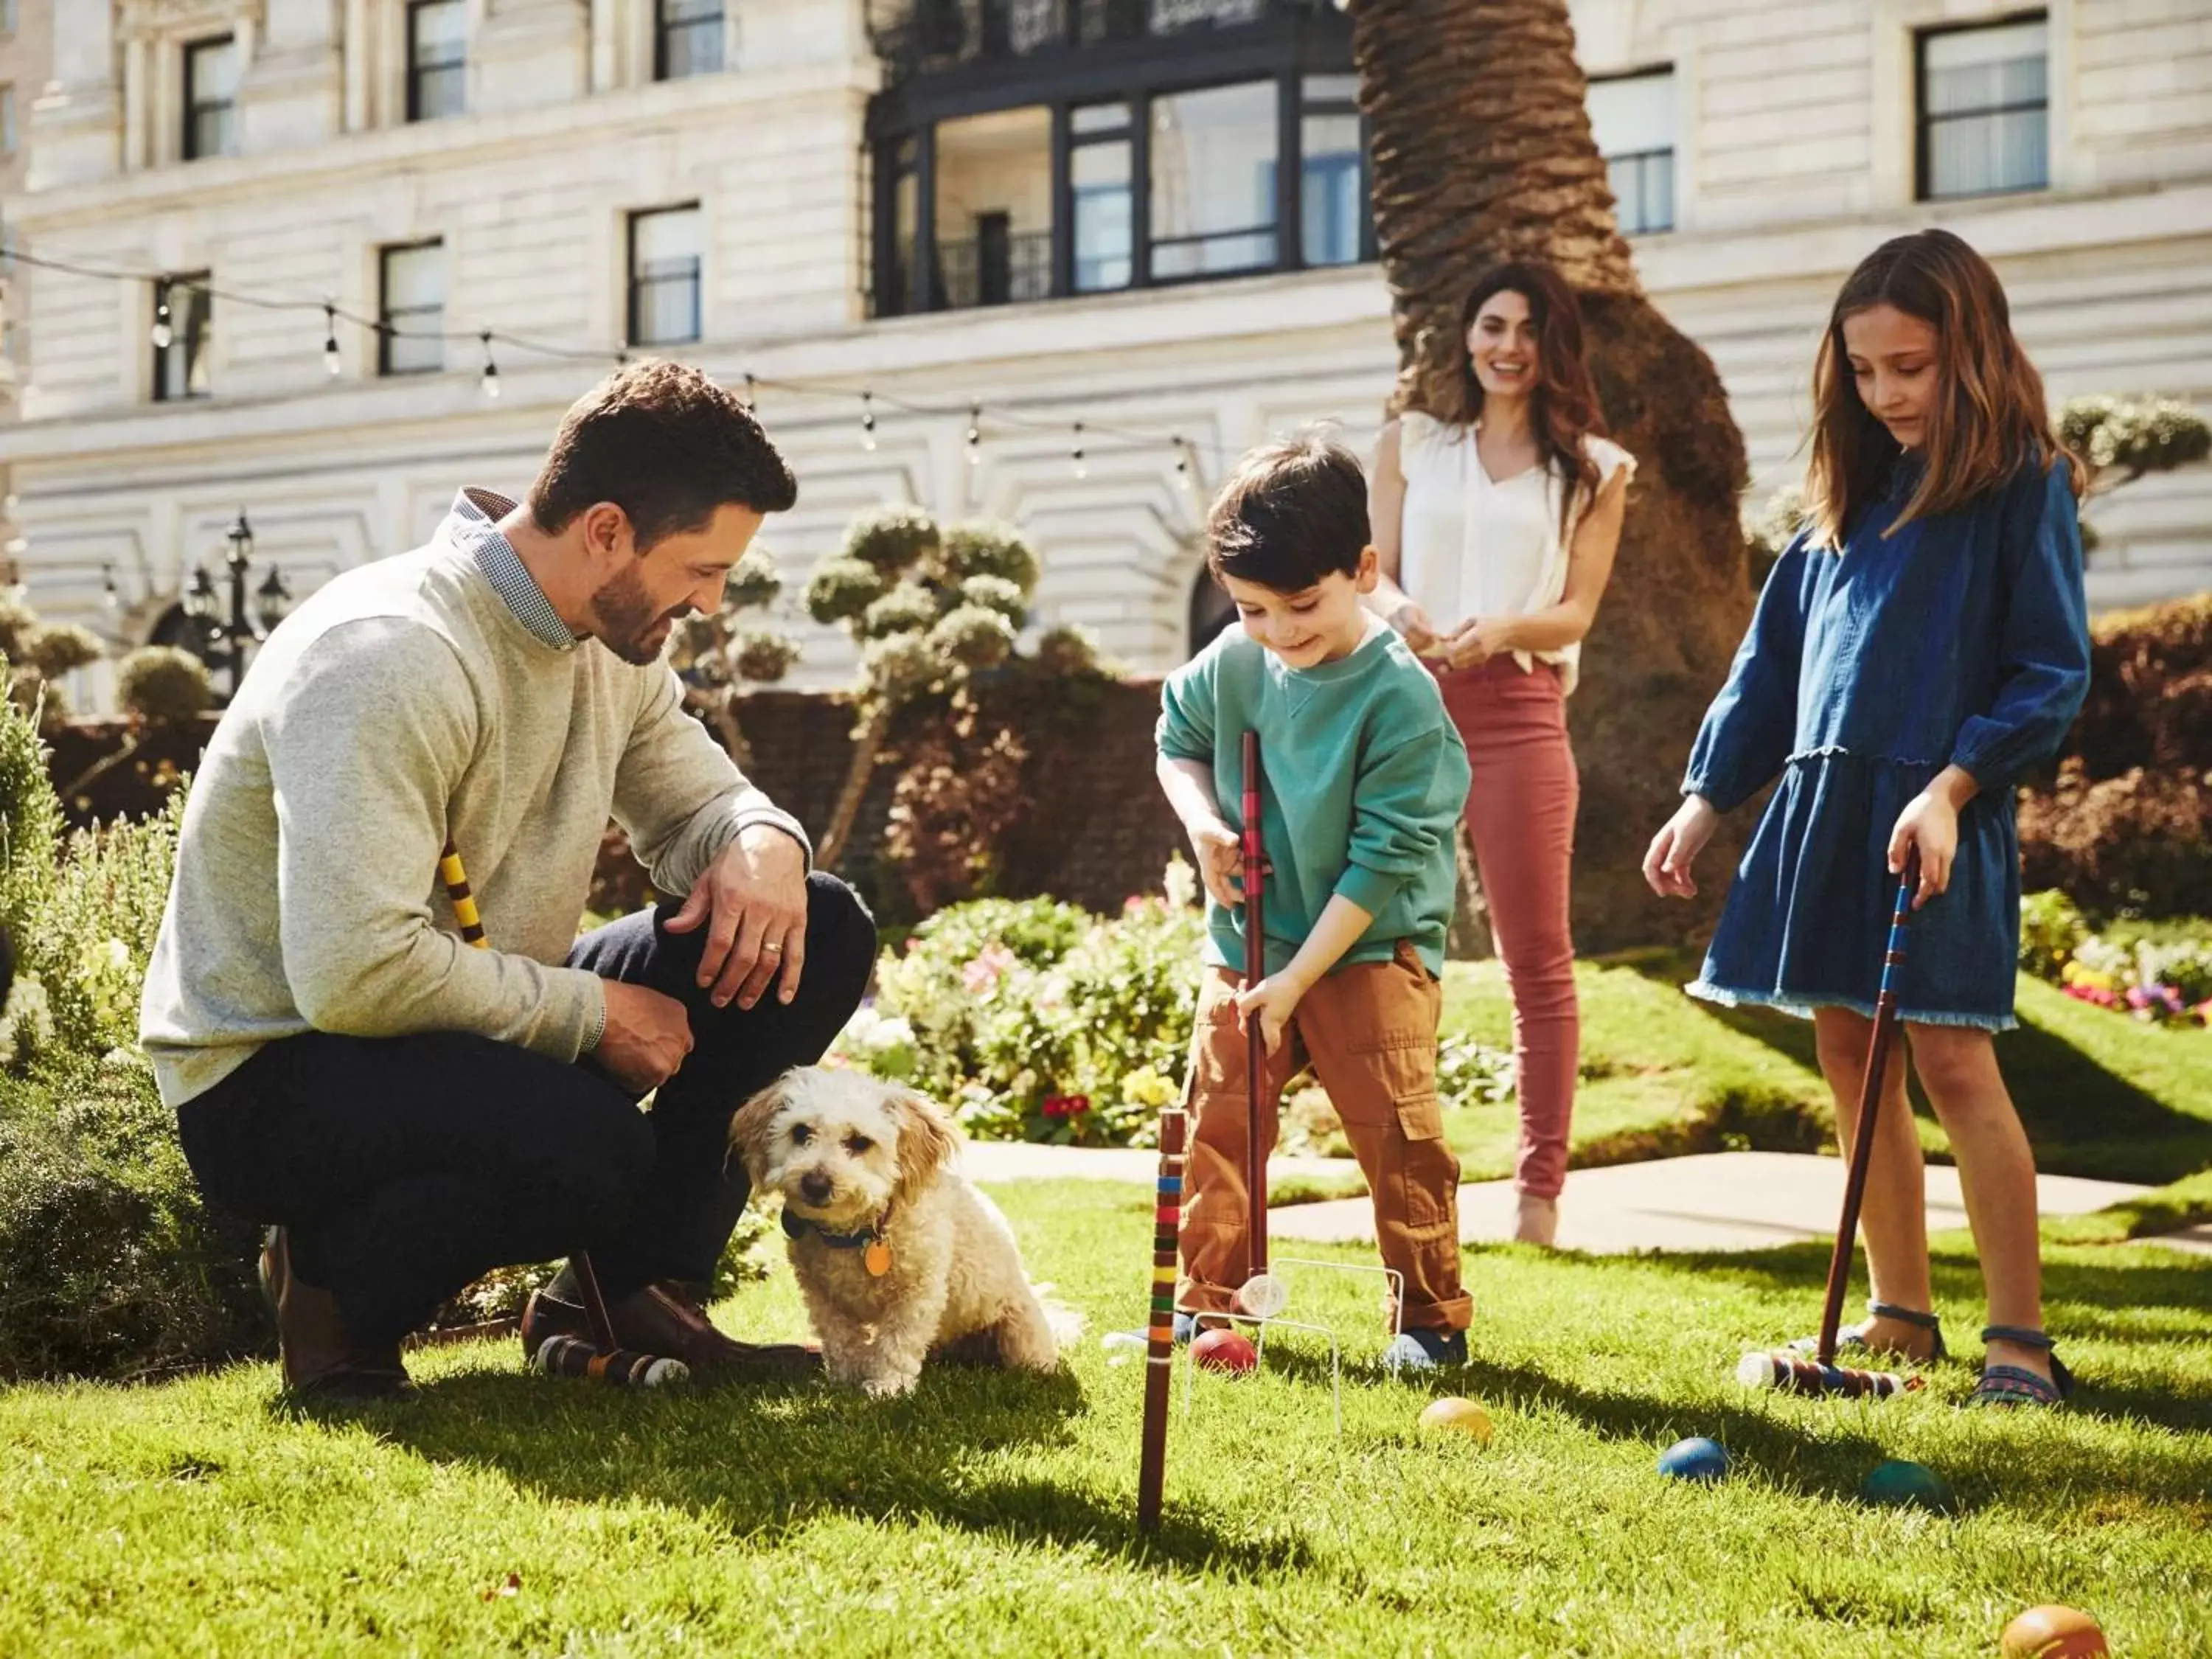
(1426, 1351)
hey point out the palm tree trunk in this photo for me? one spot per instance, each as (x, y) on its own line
(1482, 152)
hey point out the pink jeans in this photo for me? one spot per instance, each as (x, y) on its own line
(1521, 817)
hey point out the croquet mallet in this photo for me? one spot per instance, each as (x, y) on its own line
(1793, 1373)
(1261, 1295)
(603, 1359)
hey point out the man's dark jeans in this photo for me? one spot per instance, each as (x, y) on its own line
(407, 1167)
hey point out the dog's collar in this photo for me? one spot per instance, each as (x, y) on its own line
(798, 1226)
(875, 1253)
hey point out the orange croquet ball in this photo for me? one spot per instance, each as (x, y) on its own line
(2053, 1632)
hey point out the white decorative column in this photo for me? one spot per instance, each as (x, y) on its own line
(357, 48)
(137, 66)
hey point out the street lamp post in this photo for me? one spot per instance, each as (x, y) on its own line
(229, 635)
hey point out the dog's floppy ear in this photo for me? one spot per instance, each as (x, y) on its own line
(750, 1127)
(926, 1140)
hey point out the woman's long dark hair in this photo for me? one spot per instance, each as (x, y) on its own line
(1989, 416)
(1562, 409)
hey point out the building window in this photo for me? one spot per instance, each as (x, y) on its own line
(437, 58)
(1120, 156)
(182, 313)
(1335, 226)
(687, 39)
(1984, 109)
(7, 120)
(411, 310)
(1100, 169)
(994, 208)
(1213, 159)
(664, 276)
(211, 97)
(1633, 119)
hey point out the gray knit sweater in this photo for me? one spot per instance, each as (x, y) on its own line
(423, 696)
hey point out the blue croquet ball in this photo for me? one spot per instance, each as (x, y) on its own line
(1913, 1485)
(1695, 1459)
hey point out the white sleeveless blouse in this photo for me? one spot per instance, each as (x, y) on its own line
(1471, 547)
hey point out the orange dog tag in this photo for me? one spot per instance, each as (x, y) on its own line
(877, 1258)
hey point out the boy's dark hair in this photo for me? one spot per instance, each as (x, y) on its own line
(667, 446)
(1293, 511)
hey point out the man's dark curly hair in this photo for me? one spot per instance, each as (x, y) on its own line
(667, 446)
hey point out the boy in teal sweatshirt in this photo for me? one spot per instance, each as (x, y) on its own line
(1365, 779)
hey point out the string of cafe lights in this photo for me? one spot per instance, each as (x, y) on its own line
(1081, 433)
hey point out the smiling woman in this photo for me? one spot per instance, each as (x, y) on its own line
(1497, 509)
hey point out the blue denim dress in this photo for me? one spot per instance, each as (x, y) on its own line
(1961, 640)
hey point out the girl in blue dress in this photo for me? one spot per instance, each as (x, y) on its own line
(1920, 645)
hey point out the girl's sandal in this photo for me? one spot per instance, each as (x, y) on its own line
(2015, 1385)
(1852, 1338)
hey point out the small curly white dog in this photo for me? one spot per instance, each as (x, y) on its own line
(898, 1255)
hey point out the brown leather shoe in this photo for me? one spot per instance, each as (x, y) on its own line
(652, 1321)
(321, 1359)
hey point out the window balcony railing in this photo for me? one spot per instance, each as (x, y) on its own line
(928, 35)
(990, 270)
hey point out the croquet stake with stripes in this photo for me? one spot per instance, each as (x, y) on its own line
(1160, 1326)
(603, 1359)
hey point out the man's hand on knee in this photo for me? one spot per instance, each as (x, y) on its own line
(646, 1037)
(752, 899)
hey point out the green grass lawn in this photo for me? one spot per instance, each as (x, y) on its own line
(993, 1514)
(2101, 1094)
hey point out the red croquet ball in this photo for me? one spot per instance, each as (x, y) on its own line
(2054, 1633)
(1225, 1350)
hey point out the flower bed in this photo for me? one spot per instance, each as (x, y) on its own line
(2160, 972)
(1034, 1020)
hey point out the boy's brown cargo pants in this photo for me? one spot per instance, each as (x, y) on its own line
(1370, 1032)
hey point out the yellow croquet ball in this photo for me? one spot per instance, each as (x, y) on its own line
(1452, 1415)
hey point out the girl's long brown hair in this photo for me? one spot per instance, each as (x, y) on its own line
(1562, 409)
(1990, 417)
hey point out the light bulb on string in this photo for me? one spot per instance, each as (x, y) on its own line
(1075, 453)
(164, 335)
(975, 435)
(331, 360)
(752, 394)
(490, 381)
(112, 596)
(868, 423)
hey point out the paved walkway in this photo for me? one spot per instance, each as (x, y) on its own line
(1713, 1201)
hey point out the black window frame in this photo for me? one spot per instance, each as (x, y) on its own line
(1923, 122)
(388, 316)
(195, 109)
(634, 286)
(664, 30)
(417, 70)
(189, 327)
(1642, 159)
(1286, 43)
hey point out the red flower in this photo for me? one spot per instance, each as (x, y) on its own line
(1077, 1105)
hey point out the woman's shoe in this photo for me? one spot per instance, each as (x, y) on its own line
(1537, 1221)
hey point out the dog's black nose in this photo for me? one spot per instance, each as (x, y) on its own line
(815, 1188)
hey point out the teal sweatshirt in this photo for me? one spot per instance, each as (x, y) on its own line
(1365, 778)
